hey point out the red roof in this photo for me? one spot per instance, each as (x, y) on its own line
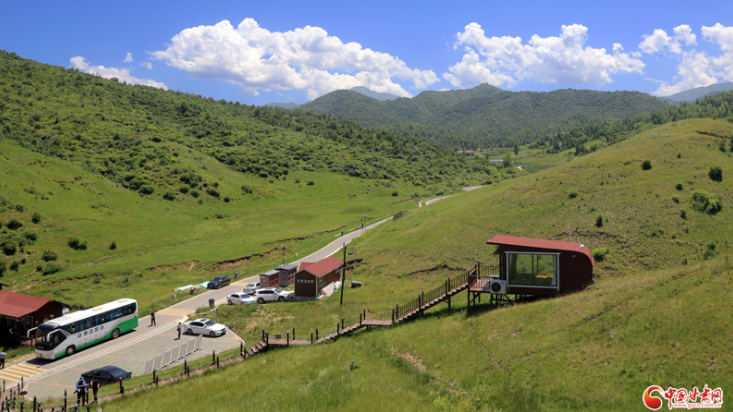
(541, 244)
(17, 305)
(323, 267)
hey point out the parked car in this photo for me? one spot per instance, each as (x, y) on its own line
(240, 299)
(204, 327)
(252, 287)
(107, 375)
(271, 295)
(219, 282)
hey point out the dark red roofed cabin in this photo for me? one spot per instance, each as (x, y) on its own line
(20, 313)
(312, 277)
(540, 267)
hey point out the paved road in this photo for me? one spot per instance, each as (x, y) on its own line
(131, 350)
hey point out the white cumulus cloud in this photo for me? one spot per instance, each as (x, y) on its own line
(305, 58)
(128, 59)
(147, 65)
(506, 60)
(80, 63)
(695, 68)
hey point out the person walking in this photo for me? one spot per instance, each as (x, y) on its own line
(3, 355)
(81, 391)
(152, 318)
(95, 388)
(179, 330)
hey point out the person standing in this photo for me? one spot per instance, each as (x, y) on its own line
(152, 318)
(3, 355)
(95, 388)
(81, 391)
(179, 331)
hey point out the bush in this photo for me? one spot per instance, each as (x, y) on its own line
(399, 215)
(709, 251)
(246, 189)
(10, 247)
(3, 268)
(113, 245)
(599, 254)
(599, 221)
(49, 255)
(703, 202)
(646, 165)
(147, 189)
(679, 186)
(395, 193)
(169, 195)
(297, 180)
(14, 224)
(184, 189)
(227, 199)
(213, 192)
(310, 183)
(195, 193)
(716, 174)
(20, 208)
(573, 193)
(36, 218)
(30, 237)
(52, 268)
(77, 244)
(15, 266)
(676, 199)
(683, 214)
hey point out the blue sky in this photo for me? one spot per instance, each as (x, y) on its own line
(279, 51)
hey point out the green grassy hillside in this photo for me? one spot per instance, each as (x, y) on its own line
(657, 313)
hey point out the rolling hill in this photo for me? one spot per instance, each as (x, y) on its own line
(485, 115)
(692, 95)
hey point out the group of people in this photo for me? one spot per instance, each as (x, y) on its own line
(82, 387)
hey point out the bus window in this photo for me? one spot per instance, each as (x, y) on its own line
(104, 317)
(120, 313)
(80, 326)
(130, 309)
(89, 322)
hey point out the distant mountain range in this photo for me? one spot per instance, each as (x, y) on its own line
(359, 89)
(485, 114)
(690, 96)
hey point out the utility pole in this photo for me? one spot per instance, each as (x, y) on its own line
(343, 277)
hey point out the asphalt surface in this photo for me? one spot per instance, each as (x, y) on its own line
(45, 378)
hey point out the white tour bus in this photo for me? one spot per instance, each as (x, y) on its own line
(77, 330)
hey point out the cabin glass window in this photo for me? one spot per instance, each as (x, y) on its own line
(526, 269)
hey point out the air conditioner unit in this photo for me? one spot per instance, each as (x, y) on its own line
(497, 286)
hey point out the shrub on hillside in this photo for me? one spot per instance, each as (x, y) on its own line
(147, 189)
(310, 183)
(246, 189)
(702, 201)
(399, 215)
(77, 244)
(9, 247)
(213, 192)
(36, 218)
(169, 195)
(15, 265)
(52, 268)
(599, 254)
(195, 193)
(227, 199)
(573, 193)
(683, 214)
(599, 221)
(395, 193)
(49, 255)
(184, 189)
(20, 208)
(709, 251)
(14, 224)
(679, 186)
(646, 165)
(113, 245)
(716, 174)
(30, 237)
(3, 268)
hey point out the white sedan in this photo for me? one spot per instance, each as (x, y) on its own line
(204, 327)
(240, 299)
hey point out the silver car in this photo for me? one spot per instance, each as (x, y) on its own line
(240, 299)
(271, 295)
(204, 327)
(252, 287)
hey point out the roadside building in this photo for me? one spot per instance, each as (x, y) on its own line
(287, 274)
(20, 313)
(270, 279)
(313, 277)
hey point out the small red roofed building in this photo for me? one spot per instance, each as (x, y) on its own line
(313, 277)
(536, 267)
(20, 313)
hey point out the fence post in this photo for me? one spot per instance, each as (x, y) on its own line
(22, 402)
(342, 322)
(316, 333)
(293, 332)
(65, 399)
(392, 315)
(185, 367)
(287, 338)
(397, 311)
(267, 338)
(213, 357)
(311, 338)
(359, 319)
(217, 361)
(122, 388)
(35, 404)
(241, 347)
(263, 333)
(337, 328)
(154, 377)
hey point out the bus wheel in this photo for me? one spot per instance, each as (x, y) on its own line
(115, 334)
(70, 350)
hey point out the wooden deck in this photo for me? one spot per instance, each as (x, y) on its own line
(377, 322)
